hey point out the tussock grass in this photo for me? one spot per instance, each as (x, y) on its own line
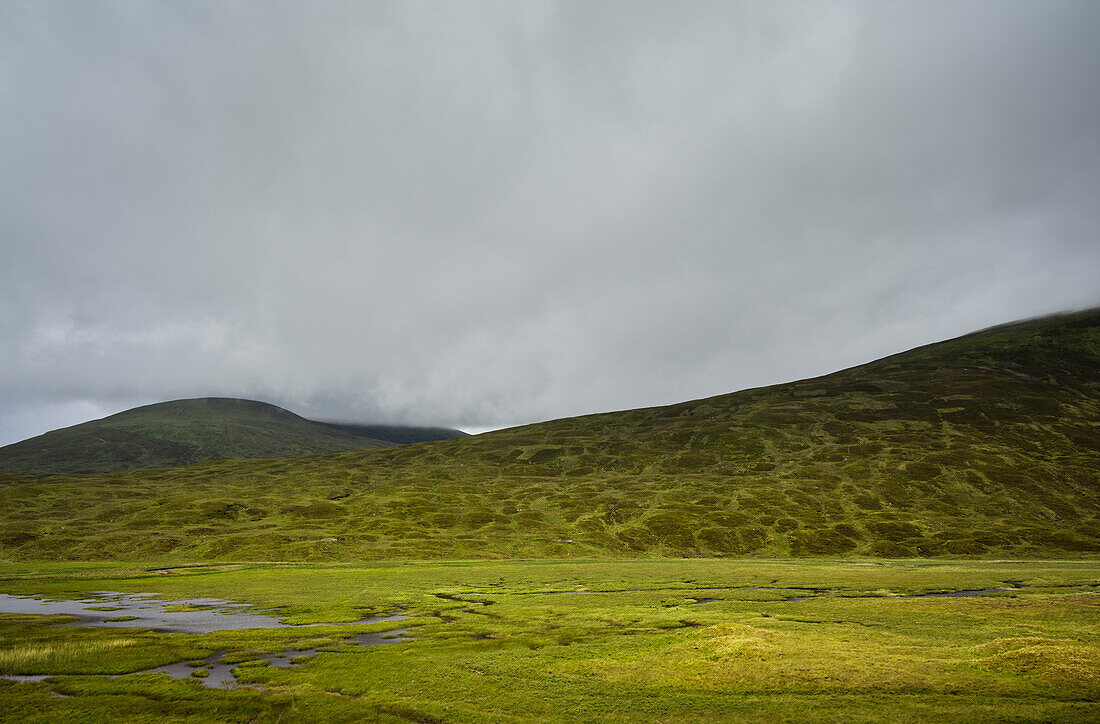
(57, 656)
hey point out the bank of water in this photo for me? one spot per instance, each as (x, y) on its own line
(113, 609)
(221, 675)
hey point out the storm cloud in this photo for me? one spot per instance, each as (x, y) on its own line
(484, 214)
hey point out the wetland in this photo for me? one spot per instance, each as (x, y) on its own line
(605, 641)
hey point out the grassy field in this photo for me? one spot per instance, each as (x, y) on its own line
(608, 640)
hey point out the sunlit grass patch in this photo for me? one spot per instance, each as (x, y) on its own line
(57, 656)
(1067, 663)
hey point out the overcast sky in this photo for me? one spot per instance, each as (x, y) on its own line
(485, 214)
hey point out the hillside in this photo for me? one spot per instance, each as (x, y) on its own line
(985, 445)
(182, 432)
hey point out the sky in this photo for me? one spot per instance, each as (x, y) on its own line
(482, 214)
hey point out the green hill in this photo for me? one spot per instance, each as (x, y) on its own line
(985, 445)
(183, 432)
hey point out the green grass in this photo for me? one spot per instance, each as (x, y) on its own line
(182, 432)
(983, 446)
(874, 484)
(626, 644)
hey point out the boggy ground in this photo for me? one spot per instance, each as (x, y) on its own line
(602, 640)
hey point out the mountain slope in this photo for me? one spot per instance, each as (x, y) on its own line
(182, 432)
(400, 434)
(986, 445)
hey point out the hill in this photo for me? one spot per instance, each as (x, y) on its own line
(399, 434)
(182, 432)
(985, 445)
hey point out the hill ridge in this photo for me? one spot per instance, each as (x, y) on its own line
(190, 430)
(987, 444)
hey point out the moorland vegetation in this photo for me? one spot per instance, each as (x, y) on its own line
(983, 446)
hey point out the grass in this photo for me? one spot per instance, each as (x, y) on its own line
(57, 657)
(618, 641)
(631, 566)
(984, 446)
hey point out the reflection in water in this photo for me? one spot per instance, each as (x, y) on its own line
(200, 615)
(220, 675)
(141, 610)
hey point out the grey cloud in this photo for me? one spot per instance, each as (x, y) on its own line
(482, 214)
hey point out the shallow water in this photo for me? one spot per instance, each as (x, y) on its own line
(215, 614)
(962, 594)
(144, 611)
(220, 675)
